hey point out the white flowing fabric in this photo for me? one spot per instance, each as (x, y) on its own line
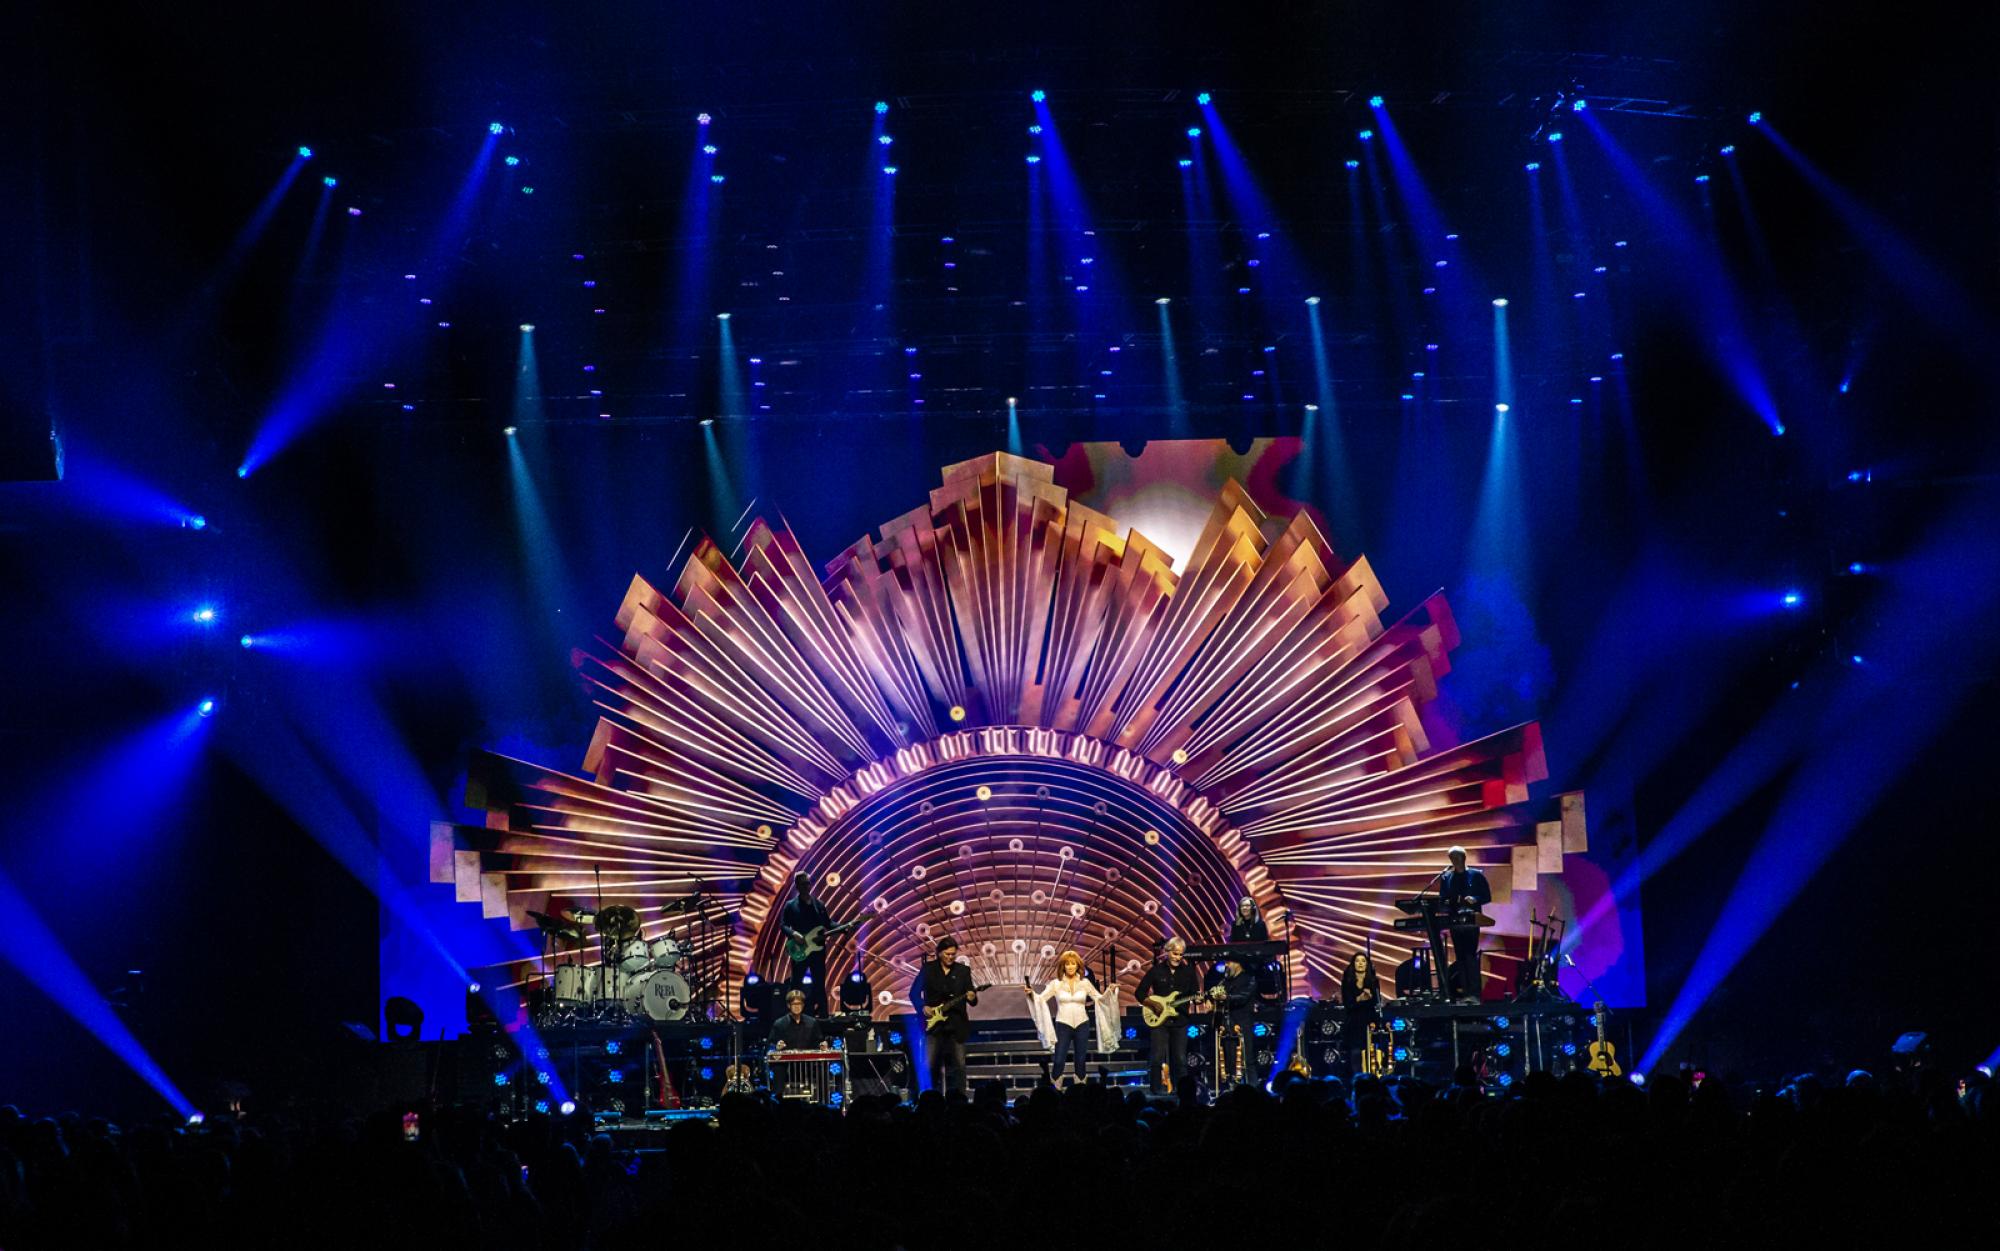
(1045, 1028)
(1106, 1009)
(1107, 1019)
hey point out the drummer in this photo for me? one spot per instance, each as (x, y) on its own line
(795, 1031)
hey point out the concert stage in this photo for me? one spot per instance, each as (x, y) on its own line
(1015, 719)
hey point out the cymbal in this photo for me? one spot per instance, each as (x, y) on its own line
(687, 904)
(618, 921)
(557, 926)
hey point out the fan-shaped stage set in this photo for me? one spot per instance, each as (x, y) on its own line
(1014, 718)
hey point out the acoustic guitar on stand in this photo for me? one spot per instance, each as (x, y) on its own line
(1603, 1056)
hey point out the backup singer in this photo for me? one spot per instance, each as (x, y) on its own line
(1235, 1002)
(1465, 889)
(1361, 996)
(1073, 993)
(1248, 927)
(801, 915)
(1171, 976)
(941, 981)
(795, 1031)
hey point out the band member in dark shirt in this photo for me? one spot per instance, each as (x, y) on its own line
(802, 914)
(1361, 995)
(1465, 889)
(1248, 927)
(795, 1031)
(1172, 975)
(1235, 1003)
(941, 981)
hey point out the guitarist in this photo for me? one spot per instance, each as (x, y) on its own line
(802, 914)
(941, 981)
(1171, 975)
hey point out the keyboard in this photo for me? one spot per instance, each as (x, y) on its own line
(1252, 955)
(1447, 918)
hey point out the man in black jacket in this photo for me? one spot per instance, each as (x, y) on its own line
(1172, 975)
(942, 981)
(1462, 890)
(1236, 1000)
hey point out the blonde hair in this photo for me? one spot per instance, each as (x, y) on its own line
(1065, 958)
(1176, 944)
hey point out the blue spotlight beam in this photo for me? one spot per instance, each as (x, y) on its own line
(1704, 279)
(342, 350)
(1878, 717)
(1177, 414)
(31, 946)
(1324, 453)
(1930, 291)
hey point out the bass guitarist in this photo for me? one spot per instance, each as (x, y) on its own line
(1171, 980)
(802, 914)
(947, 984)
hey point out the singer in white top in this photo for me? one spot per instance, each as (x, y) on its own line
(1071, 992)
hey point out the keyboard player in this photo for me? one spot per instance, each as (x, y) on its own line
(1463, 889)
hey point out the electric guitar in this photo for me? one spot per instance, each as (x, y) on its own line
(1603, 1056)
(934, 1017)
(1158, 1009)
(802, 947)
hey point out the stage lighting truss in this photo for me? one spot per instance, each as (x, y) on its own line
(1006, 702)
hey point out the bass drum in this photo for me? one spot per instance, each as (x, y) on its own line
(666, 953)
(632, 992)
(666, 996)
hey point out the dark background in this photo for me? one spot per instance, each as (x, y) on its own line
(249, 891)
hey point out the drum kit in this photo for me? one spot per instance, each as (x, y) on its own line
(633, 978)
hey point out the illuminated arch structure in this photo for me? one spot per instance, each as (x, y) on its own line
(1005, 719)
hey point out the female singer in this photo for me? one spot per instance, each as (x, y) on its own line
(1072, 993)
(1361, 995)
(1248, 927)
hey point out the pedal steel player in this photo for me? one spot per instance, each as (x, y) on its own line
(941, 981)
(1170, 976)
(795, 1031)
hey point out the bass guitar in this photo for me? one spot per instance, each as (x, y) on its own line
(800, 948)
(1603, 1056)
(934, 1017)
(1158, 1009)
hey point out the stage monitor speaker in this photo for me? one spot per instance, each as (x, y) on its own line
(879, 1073)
